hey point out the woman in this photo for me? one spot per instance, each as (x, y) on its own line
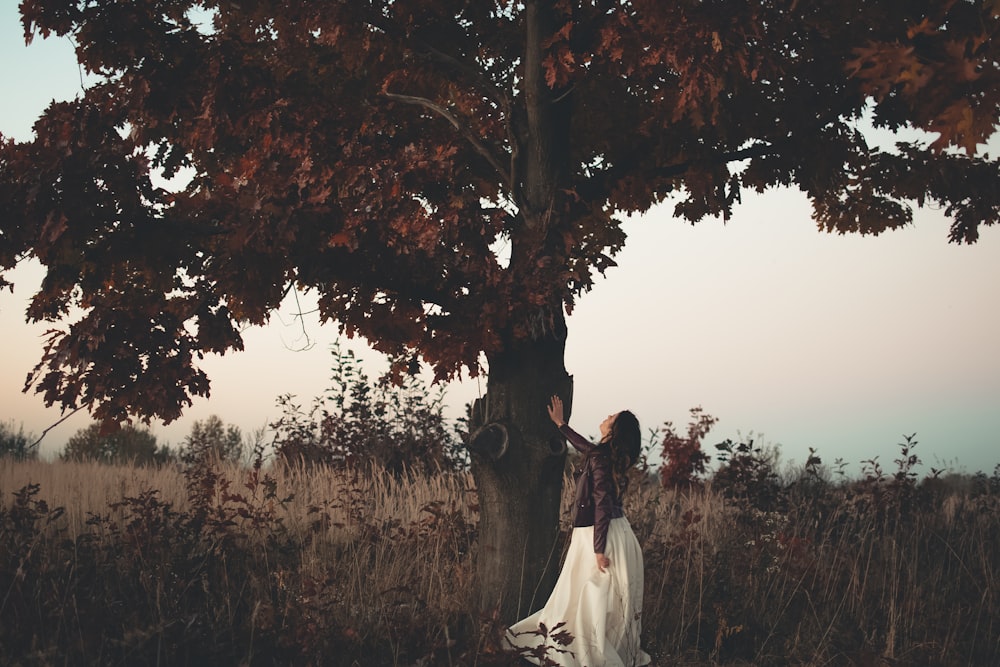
(593, 616)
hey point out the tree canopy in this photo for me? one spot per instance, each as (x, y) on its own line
(445, 175)
(212, 440)
(128, 445)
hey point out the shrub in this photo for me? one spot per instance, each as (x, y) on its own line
(747, 474)
(684, 461)
(395, 426)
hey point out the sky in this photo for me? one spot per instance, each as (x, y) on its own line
(794, 337)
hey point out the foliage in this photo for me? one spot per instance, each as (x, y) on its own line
(684, 460)
(17, 444)
(127, 444)
(211, 439)
(747, 473)
(447, 176)
(289, 565)
(400, 427)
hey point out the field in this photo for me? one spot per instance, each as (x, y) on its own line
(277, 565)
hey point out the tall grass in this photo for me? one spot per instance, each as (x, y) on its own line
(313, 566)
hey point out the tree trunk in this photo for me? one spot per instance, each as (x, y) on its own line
(518, 455)
(518, 459)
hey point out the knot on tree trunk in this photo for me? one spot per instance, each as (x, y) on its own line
(490, 441)
(493, 439)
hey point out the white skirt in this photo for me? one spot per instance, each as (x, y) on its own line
(592, 618)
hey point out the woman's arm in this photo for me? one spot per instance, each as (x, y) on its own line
(600, 470)
(556, 415)
(578, 441)
(604, 499)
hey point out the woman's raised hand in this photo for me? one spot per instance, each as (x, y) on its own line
(555, 408)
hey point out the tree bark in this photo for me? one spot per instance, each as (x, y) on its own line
(518, 459)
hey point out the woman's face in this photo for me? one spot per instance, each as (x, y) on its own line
(607, 424)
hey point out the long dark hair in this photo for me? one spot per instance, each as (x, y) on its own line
(625, 441)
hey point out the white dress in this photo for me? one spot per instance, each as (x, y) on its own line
(592, 618)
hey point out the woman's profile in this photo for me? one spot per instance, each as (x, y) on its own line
(593, 616)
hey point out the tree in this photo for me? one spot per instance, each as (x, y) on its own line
(18, 445)
(449, 177)
(211, 439)
(124, 445)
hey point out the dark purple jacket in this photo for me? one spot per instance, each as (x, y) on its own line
(596, 503)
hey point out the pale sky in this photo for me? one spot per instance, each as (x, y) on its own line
(796, 337)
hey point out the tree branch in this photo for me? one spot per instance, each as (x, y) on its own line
(61, 420)
(488, 87)
(422, 48)
(757, 150)
(496, 93)
(600, 187)
(458, 125)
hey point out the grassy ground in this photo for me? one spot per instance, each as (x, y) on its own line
(108, 565)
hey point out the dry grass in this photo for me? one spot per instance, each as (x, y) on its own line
(90, 487)
(312, 566)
